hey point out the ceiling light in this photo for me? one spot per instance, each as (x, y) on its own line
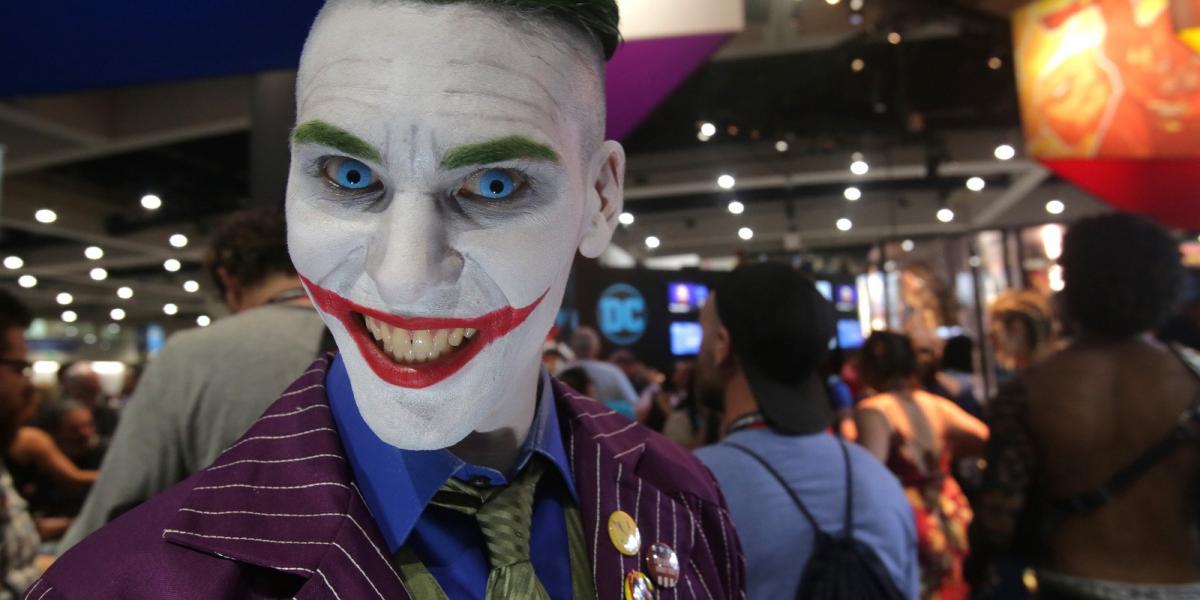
(702, 137)
(89, 338)
(908, 245)
(13, 263)
(859, 167)
(653, 242)
(626, 218)
(98, 274)
(945, 215)
(1055, 207)
(172, 265)
(170, 309)
(124, 292)
(1005, 152)
(46, 216)
(27, 281)
(117, 314)
(203, 321)
(781, 146)
(894, 38)
(844, 224)
(857, 65)
(112, 329)
(179, 240)
(852, 194)
(856, 5)
(93, 252)
(832, 2)
(151, 202)
(736, 207)
(191, 287)
(746, 233)
(726, 182)
(994, 63)
(708, 129)
(69, 316)
(64, 298)
(976, 184)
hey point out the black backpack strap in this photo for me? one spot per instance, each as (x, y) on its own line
(849, 529)
(782, 482)
(1184, 433)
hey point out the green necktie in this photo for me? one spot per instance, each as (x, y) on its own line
(504, 515)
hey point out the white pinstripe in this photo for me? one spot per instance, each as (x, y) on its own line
(633, 449)
(279, 437)
(596, 537)
(637, 503)
(657, 523)
(594, 415)
(32, 588)
(617, 432)
(377, 550)
(700, 578)
(621, 555)
(275, 462)
(675, 541)
(250, 513)
(725, 545)
(293, 413)
(328, 585)
(691, 589)
(233, 538)
(44, 593)
(315, 386)
(272, 487)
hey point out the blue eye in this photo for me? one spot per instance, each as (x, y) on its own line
(494, 184)
(349, 174)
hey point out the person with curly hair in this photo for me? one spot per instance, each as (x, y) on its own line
(1092, 465)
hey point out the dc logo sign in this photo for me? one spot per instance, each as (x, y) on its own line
(621, 314)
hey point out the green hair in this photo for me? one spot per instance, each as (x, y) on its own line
(599, 19)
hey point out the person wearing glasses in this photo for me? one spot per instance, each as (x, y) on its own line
(20, 564)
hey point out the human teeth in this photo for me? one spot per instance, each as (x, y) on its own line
(420, 346)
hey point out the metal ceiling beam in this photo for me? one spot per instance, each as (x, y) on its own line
(1018, 191)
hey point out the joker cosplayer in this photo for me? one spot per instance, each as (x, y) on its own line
(448, 162)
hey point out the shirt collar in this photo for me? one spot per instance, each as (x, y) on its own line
(397, 484)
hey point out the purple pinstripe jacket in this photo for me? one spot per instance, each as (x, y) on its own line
(278, 515)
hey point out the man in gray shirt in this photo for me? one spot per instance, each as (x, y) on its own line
(208, 385)
(612, 386)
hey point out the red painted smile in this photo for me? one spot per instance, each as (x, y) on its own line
(417, 352)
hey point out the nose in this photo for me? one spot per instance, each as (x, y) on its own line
(409, 255)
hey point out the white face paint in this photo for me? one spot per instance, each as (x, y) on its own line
(484, 243)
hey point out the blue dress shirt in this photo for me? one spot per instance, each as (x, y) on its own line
(398, 485)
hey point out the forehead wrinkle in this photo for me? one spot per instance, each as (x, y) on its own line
(530, 104)
(539, 126)
(312, 80)
(507, 70)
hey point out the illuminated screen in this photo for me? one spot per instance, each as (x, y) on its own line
(849, 334)
(686, 297)
(685, 339)
(826, 289)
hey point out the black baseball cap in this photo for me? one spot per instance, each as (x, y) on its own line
(780, 328)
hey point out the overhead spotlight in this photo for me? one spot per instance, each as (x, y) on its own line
(746, 233)
(726, 182)
(708, 129)
(945, 215)
(93, 252)
(69, 316)
(45, 216)
(994, 63)
(736, 207)
(98, 274)
(13, 263)
(117, 314)
(857, 65)
(151, 202)
(908, 245)
(191, 287)
(64, 298)
(702, 137)
(653, 242)
(859, 167)
(832, 2)
(976, 184)
(170, 309)
(625, 218)
(1056, 207)
(172, 265)
(124, 292)
(203, 321)
(856, 5)
(852, 194)
(845, 224)
(112, 329)
(178, 240)
(1005, 152)
(894, 38)
(781, 146)
(27, 281)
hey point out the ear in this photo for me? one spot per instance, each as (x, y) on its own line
(606, 198)
(232, 287)
(723, 349)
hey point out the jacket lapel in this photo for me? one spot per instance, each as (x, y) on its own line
(283, 498)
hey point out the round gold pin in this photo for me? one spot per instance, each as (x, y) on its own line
(623, 531)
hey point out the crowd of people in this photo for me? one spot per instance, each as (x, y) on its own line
(1082, 470)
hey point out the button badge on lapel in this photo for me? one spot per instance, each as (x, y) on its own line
(663, 565)
(623, 531)
(638, 587)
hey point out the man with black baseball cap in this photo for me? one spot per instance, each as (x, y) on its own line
(766, 331)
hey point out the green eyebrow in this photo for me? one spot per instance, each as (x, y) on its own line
(320, 132)
(498, 150)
